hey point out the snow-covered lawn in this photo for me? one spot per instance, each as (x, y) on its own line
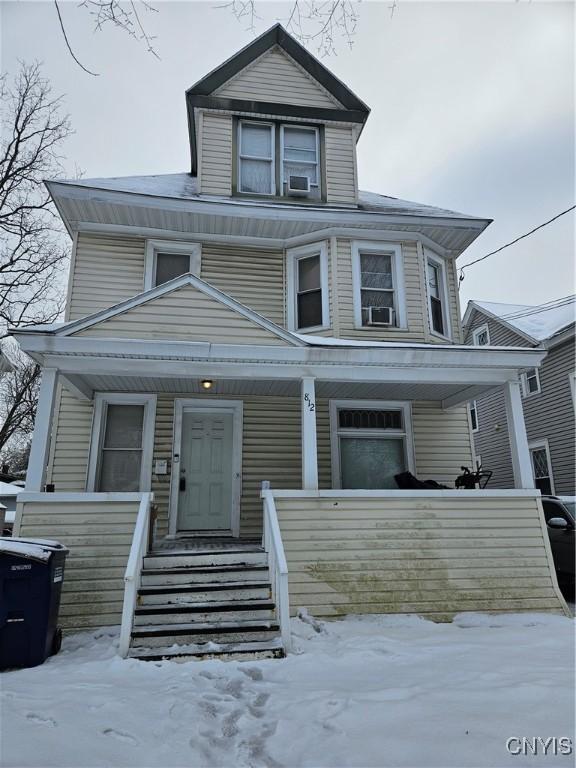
(375, 691)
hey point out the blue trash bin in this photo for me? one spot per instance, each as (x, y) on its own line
(31, 576)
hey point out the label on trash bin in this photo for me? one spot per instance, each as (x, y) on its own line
(26, 567)
(58, 574)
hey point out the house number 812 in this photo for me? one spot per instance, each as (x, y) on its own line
(309, 403)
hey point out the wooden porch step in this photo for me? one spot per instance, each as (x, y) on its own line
(163, 635)
(182, 594)
(204, 612)
(189, 559)
(271, 649)
(203, 574)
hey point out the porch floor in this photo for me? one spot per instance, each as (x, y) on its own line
(206, 544)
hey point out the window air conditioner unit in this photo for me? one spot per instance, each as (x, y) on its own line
(380, 316)
(298, 186)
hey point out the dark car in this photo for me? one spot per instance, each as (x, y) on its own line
(560, 516)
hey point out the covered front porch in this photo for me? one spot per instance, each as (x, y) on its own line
(145, 446)
(307, 418)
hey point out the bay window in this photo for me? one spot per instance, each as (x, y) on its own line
(437, 295)
(307, 270)
(378, 284)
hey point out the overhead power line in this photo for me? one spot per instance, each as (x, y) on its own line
(521, 237)
(526, 311)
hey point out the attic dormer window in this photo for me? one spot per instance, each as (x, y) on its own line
(300, 153)
(256, 158)
(278, 159)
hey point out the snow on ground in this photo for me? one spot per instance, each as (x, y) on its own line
(371, 691)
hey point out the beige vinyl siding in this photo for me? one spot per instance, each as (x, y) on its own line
(340, 160)
(99, 535)
(271, 450)
(431, 556)
(454, 301)
(215, 171)
(442, 441)
(276, 77)
(252, 276)
(184, 314)
(413, 288)
(105, 271)
(70, 443)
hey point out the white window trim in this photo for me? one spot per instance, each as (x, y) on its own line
(317, 163)
(103, 399)
(477, 331)
(202, 405)
(169, 246)
(438, 261)
(572, 382)
(407, 433)
(292, 257)
(537, 445)
(473, 406)
(395, 249)
(524, 378)
(271, 160)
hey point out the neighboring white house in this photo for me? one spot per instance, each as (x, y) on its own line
(261, 320)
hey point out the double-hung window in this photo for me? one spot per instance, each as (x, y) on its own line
(121, 448)
(531, 382)
(378, 284)
(371, 443)
(269, 154)
(308, 288)
(437, 295)
(300, 150)
(256, 152)
(167, 260)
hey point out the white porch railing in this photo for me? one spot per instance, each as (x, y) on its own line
(272, 543)
(133, 573)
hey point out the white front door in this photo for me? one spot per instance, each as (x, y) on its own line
(205, 470)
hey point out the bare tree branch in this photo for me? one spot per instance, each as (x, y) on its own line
(89, 72)
(32, 248)
(18, 401)
(316, 23)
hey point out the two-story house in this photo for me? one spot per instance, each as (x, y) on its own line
(252, 351)
(548, 392)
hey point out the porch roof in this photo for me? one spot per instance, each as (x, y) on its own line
(450, 374)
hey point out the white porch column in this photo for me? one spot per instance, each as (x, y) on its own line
(38, 461)
(521, 463)
(309, 448)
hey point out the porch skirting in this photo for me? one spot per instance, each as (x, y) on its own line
(434, 553)
(431, 553)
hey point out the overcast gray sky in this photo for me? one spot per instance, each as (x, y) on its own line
(472, 109)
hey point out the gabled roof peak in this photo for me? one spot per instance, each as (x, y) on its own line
(278, 36)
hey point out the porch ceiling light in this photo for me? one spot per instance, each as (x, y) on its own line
(206, 383)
